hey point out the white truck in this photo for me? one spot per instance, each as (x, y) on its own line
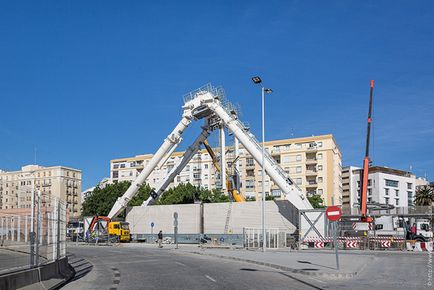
(423, 230)
(395, 226)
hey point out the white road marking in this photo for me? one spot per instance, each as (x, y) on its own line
(179, 263)
(210, 278)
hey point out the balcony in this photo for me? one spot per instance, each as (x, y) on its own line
(311, 172)
(311, 183)
(311, 160)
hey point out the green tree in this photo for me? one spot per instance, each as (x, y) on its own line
(101, 200)
(424, 196)
(188, 193)
(316, 201)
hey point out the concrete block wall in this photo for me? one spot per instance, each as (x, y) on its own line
(140, 218)
(246, 214)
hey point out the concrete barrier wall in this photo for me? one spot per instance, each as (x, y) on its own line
(241, 215)
(140, 218)
(36, 278)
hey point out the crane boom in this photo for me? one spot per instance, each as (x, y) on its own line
(365, 177)
(230, 186)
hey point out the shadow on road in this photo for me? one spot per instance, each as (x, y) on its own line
(284, 274)
(319, 265)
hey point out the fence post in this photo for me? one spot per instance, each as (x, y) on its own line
(19, 229)
(38, 228)
(7, 229)
(2, 229)
(58, 229)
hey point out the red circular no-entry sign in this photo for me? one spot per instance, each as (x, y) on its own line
(333, 213)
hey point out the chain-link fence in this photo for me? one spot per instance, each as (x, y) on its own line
(30, 237)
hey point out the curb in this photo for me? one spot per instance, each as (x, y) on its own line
(284, 268)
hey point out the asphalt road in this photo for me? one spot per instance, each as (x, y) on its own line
(152, 268)
(138, 267)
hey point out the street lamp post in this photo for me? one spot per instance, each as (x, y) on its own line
(257, 80)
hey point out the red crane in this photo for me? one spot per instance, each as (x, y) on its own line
(365, 172)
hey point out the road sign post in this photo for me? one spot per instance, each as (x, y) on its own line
(175, 230)
(333, 214)
(152, 231)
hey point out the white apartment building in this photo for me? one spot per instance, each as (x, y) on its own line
(55, 181)
(385, 186)
(314, 163)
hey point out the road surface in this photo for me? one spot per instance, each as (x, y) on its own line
(102, 267)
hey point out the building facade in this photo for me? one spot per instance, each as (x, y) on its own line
(56, 181)
(314, 163)
(386, 186)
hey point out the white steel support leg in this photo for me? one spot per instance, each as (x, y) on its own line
(188, 155)
(172, 140)
(223, 158)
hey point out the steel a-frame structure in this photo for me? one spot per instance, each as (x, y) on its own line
(209, 103)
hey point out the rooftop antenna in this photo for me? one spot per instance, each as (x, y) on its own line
(35, 151)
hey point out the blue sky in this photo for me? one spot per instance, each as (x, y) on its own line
(88, 81)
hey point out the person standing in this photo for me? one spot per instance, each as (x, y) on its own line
(160, 239)
(413, 230)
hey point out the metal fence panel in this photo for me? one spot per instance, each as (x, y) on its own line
(29, 240)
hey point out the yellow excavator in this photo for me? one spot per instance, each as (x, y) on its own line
(231, 180)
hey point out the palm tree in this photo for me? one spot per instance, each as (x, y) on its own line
(424, 196)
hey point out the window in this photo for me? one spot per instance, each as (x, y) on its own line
(196, 176)
(319, 167)
(319, 156)
(115, 174)
(369, 191)
(391, 183)
(397, 192)
(187, 168)
(298, 181)
(397, 201)
(409, 185)
(320, 191)
(122, 166)
(251, 173)
(249, 162)
(298, 157)
(319, 179)
(386, 191)
(410, 198)
(369, 182)
(319, 144)
(276, 192)
(298, 146)
(250, 184)
(298, 169)
(206, 166)
(285, 159)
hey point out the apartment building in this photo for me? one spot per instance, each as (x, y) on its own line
(385, 186)
(55, 181)
(314, 163)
